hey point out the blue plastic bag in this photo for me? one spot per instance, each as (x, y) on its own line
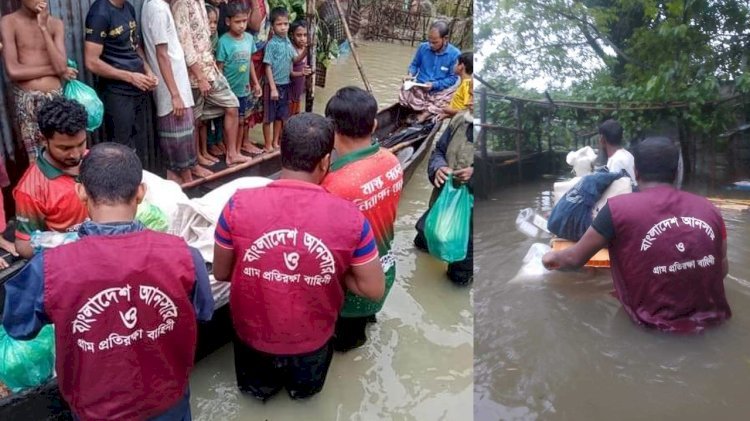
(86, 96)
(26, 364)
(448, 225)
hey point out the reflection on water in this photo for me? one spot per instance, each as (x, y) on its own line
(562, 348)
(418, 363)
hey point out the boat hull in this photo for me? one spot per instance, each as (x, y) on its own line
(45, 402)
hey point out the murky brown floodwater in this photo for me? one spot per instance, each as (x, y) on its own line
(418, 362)
(561, 348)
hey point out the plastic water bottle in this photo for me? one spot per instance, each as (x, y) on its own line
(41, 240)
(530, 223)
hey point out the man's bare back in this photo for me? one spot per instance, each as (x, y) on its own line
(28, 60)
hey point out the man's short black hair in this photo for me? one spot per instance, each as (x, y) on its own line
(441, 26)
(305, 140)
(111, 173)
(234, 9)
(656, 160)
(467, 59)
(353, 111)
(612, 132)
(278, 12)
(61, 115)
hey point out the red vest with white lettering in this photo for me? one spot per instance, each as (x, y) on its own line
(667, 259)
(125, 328)
(293, 242)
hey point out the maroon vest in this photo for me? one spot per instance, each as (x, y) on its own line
(293, 242)
(125, 328)
(667, 259)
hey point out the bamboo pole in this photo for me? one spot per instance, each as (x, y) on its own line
(519, 138)
(351, 45)
(312, 26)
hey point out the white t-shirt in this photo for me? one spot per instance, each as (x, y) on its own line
(622, 160)
(159, 28)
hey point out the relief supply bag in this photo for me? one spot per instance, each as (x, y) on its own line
(448, 225)
(86, 96)
(152, 217)
(26, 364)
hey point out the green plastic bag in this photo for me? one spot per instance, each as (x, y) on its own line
(152, 217)
(86, 96)
(448, 223)
(26, 364)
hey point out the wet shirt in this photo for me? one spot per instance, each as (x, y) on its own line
(371, 178)
(116, 29)
(667, 259)
(46, 200)
(279, 54)
(236, 54)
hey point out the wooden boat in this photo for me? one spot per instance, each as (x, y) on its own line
(599, 260)
(45, 402)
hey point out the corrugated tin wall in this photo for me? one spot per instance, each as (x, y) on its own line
(73, 15)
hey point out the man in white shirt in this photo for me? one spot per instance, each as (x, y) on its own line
(618, 158)
(174, 97)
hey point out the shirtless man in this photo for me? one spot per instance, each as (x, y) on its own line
(4, 182)
(35, 61)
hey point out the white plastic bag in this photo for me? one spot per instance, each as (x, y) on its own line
(532, 269)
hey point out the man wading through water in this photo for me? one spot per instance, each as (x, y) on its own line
(372, 178)
(668, 248)
(290, 249)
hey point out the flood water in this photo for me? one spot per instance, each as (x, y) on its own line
(561, 348)
(417, 364)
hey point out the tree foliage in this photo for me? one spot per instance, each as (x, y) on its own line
(656, 51)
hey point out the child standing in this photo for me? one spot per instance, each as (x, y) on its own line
(464, 95)
(298, 29)
(278, 58)
(233, 58)
(212, 131)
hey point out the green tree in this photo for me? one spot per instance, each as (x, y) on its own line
(686, 52)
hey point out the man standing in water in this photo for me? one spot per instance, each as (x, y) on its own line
(371, 178)
(35, 61)
(610, 141)
(453, 156)
(667, 247)
(290, 249)
(125, 320)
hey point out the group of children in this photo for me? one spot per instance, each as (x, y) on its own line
(276, 91)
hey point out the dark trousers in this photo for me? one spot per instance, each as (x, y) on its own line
(263, 375)
(126, 119)
(351, 332)
(461, 272)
